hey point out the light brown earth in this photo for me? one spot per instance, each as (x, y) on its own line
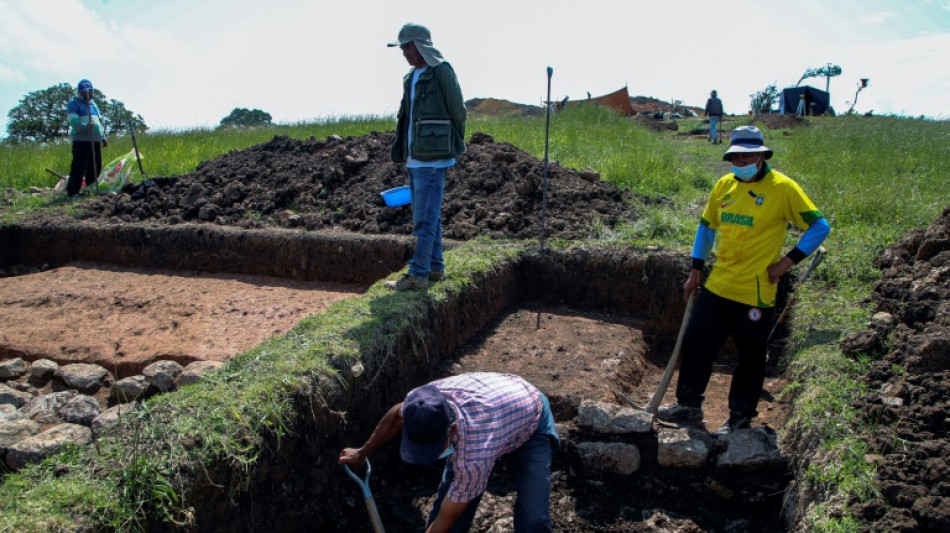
(573, 355)
(124, 318)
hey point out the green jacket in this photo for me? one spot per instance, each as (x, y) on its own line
(438, 119)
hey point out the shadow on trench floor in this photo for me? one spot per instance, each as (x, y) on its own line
(654, 500)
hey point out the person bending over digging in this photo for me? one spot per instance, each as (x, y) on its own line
(750, 208)
(473, 420)
(430, 134)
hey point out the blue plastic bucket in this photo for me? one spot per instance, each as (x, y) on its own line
(396, 197)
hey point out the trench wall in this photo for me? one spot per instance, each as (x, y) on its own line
(296, 484)
(302, 255)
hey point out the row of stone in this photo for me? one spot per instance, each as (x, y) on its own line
(745, 449)
(75, 416)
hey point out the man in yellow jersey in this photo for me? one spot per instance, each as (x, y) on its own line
(750, 208)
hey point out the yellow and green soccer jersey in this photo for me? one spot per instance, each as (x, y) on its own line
(751, 220)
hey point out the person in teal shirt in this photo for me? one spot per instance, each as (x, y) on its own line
(88, 136)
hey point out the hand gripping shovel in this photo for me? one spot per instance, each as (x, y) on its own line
(367, 496)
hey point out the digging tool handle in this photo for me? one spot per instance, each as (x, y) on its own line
(812, 265)
(367, 496)
(135, 145)
(674, 360)
(57, 174)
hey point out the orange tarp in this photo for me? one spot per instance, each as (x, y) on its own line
(618, 100)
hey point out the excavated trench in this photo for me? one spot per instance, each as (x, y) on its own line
(581, 323)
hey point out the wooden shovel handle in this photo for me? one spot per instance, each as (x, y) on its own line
(674, 360)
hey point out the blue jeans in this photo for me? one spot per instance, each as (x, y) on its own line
(713, 128)
(428, 186)
(531, 472)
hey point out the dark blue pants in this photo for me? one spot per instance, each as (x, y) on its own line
(87, 162)
(714, 319)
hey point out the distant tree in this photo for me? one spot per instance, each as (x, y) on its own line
(242, 117)
(116, 117)
(41, 115)
(763, 100)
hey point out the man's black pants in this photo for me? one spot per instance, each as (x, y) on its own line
(84, 165)
(714, 319)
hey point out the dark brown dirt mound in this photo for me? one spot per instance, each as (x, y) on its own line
(777, 122)
(494, 190)
(909, 388)
(494, 107)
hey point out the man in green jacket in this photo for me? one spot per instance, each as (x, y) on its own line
(430, 134)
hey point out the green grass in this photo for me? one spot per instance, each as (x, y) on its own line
(168, 153)
(874, 178)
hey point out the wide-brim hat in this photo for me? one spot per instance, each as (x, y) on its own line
(426, 417)
(416, 33)
(746, 140)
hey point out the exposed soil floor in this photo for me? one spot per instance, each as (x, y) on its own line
(124, 319)
(575, 355)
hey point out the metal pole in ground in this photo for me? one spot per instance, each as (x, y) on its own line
(547, 131)
(544, 180)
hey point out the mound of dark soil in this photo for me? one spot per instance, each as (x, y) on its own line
(909, 388)
(495, 190)
(777, 122)
(494, 107)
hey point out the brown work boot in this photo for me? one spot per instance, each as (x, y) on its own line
(436, 275)
(406, 283)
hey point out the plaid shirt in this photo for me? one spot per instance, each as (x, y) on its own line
(496, 413)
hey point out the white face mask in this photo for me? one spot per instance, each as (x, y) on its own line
(745, 173)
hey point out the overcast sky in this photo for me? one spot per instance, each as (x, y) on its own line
(188, 63)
